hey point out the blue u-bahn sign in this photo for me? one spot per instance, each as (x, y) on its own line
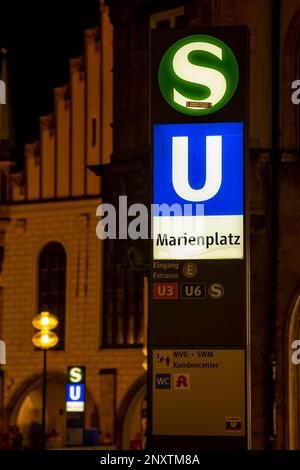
(198, 179)
(75, 397)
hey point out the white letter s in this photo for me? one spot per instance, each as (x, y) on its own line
(209, 77)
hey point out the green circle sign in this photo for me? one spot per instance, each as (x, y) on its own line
(198, 75)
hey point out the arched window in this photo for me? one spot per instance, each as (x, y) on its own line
(123, 297)
(3, 186)
(52, 285)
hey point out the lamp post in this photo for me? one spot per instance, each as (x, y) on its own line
(44, 339)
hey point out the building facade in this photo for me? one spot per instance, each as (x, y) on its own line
(274, 168)
(51, 260)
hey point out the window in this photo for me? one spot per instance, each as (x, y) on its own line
(3, 186)
(1, 257)
(94, 133)
(168, 19)
(123, 298)
(52, 285)
(108, 386)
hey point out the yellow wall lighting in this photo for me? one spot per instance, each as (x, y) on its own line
(45, 338)
(45, 320)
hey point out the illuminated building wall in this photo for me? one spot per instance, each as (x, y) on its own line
(53, 257)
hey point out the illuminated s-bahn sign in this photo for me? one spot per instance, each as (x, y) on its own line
(75, 405)
(75, 389)
(198, 75)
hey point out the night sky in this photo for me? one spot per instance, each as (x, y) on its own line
(41, 37)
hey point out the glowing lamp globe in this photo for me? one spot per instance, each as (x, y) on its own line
(45, 320)
(45, 339)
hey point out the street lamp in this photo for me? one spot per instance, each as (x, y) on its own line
(45, 339)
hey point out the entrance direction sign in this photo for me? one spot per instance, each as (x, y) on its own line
(214, 393)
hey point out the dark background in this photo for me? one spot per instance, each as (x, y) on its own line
(41, 37)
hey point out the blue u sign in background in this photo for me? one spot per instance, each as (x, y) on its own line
(75, 392)
(199, 163)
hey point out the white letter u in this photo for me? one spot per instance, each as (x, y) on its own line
(75, 392)
(180, 167)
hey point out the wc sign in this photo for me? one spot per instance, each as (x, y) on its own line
(198, 191)
(75, 392)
